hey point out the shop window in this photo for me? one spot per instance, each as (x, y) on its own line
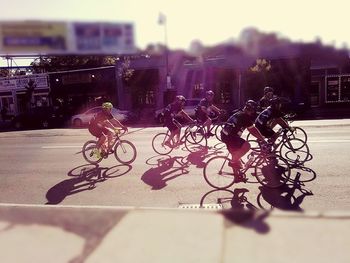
(332, 89)
(224, 88)
(197, 90)
(345, 88)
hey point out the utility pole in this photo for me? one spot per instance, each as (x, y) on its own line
(162, 20)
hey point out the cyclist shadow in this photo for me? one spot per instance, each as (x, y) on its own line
(288, 197)
(237, 209)
(167, 169)
(85, 177)
(198, 157)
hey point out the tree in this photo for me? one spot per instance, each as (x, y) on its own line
(61, 63)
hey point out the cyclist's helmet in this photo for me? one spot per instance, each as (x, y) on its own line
(267, 90)
(180, 98)
(107, 105)
(251, 105)
(210, 93)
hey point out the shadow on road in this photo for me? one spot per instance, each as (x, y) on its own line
(168, 168)
(85, 177)
(237, 209)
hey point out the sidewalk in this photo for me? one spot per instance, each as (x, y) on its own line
(110, 234)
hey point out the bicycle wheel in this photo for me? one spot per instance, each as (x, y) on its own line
(218, 130)
(124, 152)
(217, 173)
(272, 171)
(295, 151)
(158, 143)
(298, 133)
(195, 134)
(90, 152)
(194, 146)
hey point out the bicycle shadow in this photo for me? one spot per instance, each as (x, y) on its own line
(237, 209)
(85, 177)
(286, 197)
(198, 157)
(166, 170)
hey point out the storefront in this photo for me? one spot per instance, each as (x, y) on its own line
(16, 98)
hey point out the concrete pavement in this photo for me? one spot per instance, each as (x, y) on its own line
(111, 234)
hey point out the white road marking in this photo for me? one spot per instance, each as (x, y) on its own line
(329, 141)
(61, 146)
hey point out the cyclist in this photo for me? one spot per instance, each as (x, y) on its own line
(269, 117)
(170, 112)
(103, 126)
(265, 100)
(203, 109)
(233, 129)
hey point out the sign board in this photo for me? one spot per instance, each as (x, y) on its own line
(20, 82)
(64, 38)
(33, 37)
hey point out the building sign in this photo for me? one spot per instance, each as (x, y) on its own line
(338, 88)
(103, 38)
(20, 82)
(7, 84)
(88, 37)
(32, 37)
(56, 38)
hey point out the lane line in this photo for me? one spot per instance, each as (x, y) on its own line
(329, 141)
(61, 146)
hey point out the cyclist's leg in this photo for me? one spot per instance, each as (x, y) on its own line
(207, 124)
(170, 124)
(109, 133)
(238, 147)
(267, 132)
(97, 132)
(177, 132)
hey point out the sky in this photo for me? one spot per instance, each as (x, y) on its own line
(210, 22)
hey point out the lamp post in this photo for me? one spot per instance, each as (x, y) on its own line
(162, 21)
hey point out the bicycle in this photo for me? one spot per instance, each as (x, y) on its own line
(192, 138)
(294, 133)
(293, 149)
(216, 127)
(270, 170)
(124, 151)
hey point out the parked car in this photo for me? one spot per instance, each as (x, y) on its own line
(189, 108)
(40, 117)
(84, 118)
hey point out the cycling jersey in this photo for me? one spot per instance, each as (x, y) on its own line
(264, 103)
(171, 110)
(199, 113)
(96, 127)
(237, 123)
(264, 120)
(169, 113)
(266, 116)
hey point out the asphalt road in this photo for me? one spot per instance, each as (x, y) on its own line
(45, 167)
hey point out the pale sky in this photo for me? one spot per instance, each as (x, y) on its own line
(211, 22)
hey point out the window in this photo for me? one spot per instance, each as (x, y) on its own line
(332, 89)
(338, 88)
(345, 88)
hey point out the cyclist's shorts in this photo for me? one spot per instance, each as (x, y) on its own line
(233, 143)
(97, 131)
(170, 124)
(264, 130)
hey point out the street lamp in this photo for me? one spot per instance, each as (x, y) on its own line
(162, 21)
